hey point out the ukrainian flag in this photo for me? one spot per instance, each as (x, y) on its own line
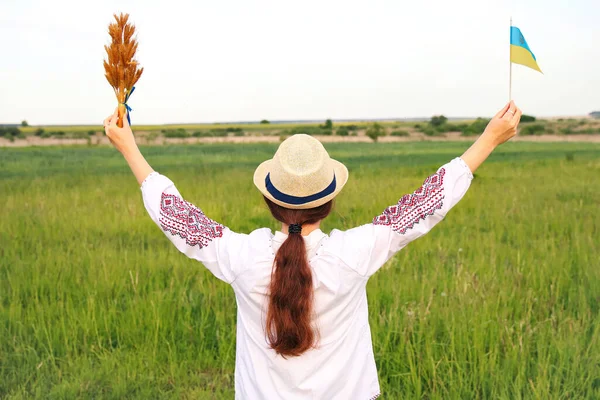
(520, 53)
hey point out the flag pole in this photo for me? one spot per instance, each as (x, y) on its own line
(510, 67)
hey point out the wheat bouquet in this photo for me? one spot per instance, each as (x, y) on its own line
(121, 68)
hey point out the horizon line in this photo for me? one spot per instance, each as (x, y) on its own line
(300, 121)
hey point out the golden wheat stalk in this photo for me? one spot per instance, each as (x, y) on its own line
(121, 69)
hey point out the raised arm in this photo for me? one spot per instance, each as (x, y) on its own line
(416, 213)
(193, 233)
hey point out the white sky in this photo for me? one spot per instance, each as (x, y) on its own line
(234, 60)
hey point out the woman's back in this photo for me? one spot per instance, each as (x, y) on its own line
(342, 364)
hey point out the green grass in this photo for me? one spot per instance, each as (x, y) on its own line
(499, 301)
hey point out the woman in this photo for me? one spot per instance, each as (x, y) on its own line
(302, 321)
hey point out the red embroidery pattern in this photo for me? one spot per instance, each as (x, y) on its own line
(412, 208)
(187, 221)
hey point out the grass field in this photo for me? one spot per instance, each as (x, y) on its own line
(499, 301)
(437, 126)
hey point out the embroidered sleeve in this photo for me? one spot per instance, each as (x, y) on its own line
(183, 219)
(366, 248)
(189, 229)
(416, 207)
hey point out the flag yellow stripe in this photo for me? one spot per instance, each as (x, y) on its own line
(520, 55)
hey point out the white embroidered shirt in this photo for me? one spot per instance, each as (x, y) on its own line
(343, 365)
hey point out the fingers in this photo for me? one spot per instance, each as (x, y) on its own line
(111, 121)
(125, 120)
(502, 111)
(108, 119)
(517, 117)
(114, 119)
(510, 113)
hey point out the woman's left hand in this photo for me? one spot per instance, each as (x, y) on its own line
(121, 138)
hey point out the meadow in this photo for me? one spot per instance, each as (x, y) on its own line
(500, 301)
(437, 126)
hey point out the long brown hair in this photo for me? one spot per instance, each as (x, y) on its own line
(290, 309)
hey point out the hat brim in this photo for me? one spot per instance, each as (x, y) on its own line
(341, 177)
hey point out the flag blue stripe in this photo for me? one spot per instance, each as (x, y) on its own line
(517, 39)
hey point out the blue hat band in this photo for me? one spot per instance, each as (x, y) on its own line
(295, 200)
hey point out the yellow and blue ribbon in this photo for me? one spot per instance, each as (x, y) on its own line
(129, 109)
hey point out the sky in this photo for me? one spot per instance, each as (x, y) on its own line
(247, 60)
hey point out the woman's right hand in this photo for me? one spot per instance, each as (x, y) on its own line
(503, 125)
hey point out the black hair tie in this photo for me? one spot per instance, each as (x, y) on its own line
(294, 228)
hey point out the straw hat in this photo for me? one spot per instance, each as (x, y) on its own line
(301, 175)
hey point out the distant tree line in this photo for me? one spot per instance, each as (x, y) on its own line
(438, 125)
(10, 132)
